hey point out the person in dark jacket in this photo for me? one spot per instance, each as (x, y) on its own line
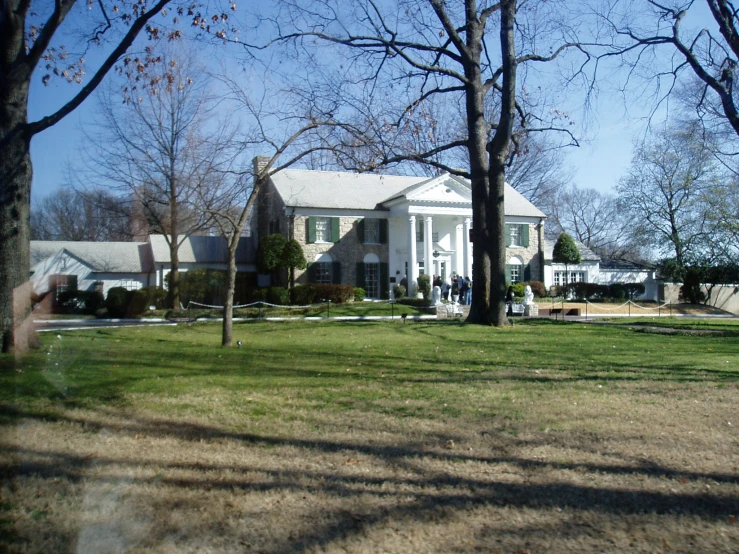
(510, 298)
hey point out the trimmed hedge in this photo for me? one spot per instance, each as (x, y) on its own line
(424, 286)
(359, 294)
(415, 302)
(302, 295)
(338, 294)
(127, 303)
(117, 302)
(399, 291)
(79, 302)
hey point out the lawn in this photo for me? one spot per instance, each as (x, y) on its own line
(373, 437)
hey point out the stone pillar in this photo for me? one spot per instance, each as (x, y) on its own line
(466, 248)
(458, 251)
(412, 262)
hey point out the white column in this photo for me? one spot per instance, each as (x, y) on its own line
(466, 249)
(458, 252)
(412, 262)
(428, 246)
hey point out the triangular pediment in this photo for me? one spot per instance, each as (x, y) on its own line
(444, 189)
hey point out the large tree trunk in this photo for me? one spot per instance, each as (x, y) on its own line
(228, 305)
(15, 209)
(499, 148)
(478, 131)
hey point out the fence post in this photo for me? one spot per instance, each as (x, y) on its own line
(670, 308)
(328, 316)
(392, 310)
(586, 310)
(629, 308)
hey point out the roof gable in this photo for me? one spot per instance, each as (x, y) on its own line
(444, 189)
(100, 257)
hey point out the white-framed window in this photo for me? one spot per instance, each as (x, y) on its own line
(435, 237)
(130, 284)
(515, 273)
(419, 229)
(577, 277)
(515, 233)
(323, 229)
(372, 231)
(574, 277)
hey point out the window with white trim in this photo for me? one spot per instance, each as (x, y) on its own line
(515, 231)
(323, 229)
(419, 230)
(515, 273)
(372, 231)
(372, 280)
(130, 284)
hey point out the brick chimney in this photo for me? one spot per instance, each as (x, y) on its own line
(260, 162)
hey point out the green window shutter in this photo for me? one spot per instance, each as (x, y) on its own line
(527, 272)
(383, 231)
(336, 273)
(311, 230)
(525, 234)
(335, 229)
(507, 235)
(384, 279)
(360, 275)
(311, 272)
(360, 232)
(507, 273)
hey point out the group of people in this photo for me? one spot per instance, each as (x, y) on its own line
(461, 287)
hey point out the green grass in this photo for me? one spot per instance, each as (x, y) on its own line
(410, 369)
(497, 438)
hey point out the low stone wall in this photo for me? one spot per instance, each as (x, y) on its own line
(723, 297)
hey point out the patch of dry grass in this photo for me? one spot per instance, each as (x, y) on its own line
(383, 457)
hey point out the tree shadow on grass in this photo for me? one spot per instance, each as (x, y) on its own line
(420, 494)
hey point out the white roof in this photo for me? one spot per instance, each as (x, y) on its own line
(304, 188)
(365, 191)
(101, 257)
(202, 249)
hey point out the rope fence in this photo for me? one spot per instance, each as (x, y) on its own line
(628, 308)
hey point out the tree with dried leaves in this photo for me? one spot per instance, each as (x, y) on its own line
(167, 148)
(30, 44)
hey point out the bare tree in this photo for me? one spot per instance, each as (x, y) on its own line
(290, 137)
(664, 191)
(30, 45)
(94, 215)
(408, 55)
(538, 169)
(594, 219)
(165, 148)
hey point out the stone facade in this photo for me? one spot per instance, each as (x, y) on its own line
(349, 251)
(271, 212)
(532, 255)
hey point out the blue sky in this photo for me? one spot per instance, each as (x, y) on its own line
(601, 160)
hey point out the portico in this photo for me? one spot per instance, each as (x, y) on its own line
(437, 216)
